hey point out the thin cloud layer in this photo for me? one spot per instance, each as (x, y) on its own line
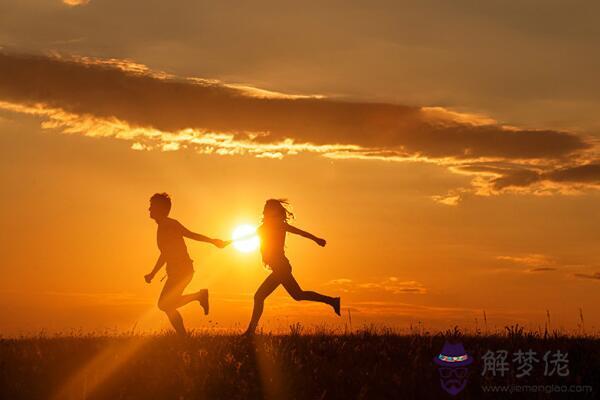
(390, 284)
(126, 100)
(75, 3)
(595, 276)
(542, 269)
(530, 260)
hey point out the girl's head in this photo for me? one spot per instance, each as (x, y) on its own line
(276, 210)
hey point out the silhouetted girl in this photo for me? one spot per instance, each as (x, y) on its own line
(272, 242)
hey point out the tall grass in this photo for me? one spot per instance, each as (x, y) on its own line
(369, 363)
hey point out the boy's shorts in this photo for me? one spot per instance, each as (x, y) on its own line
(178, 277)
(180, 268)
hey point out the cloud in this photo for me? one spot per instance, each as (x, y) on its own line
(522, 177)
(536, 263)
(533, 263)
(530, 260)
(413, 310)
(542, 269)
(126, 100)
(595, 275)
(131, 93)
(589, 173)
(391, 285)
(582, 173)
(450, 199)
(341, 281)
(74, 3)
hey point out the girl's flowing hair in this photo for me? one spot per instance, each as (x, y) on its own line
(279, 209)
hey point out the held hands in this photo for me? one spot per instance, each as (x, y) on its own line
(321, 242)
(221, 243)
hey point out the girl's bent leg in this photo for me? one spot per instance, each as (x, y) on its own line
(291, 285)
(188, 298)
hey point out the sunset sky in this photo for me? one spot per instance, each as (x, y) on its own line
(449, 152)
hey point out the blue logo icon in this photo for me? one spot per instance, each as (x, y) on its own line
(453, 364)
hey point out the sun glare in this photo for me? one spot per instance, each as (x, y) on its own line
(245, 238)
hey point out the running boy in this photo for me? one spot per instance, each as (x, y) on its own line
(173, 252)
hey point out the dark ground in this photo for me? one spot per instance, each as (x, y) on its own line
(363, 365)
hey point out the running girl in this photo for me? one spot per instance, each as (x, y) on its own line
(272, 242)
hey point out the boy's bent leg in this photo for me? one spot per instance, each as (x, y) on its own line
(172, 293)
(170, 299)
(200, 296)
(173, 315)
(176, 321)
(180, 300)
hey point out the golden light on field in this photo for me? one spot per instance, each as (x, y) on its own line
(245, 238)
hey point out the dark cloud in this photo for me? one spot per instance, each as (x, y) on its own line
(542, 269)
(520, 177)
(142, 99)
(595, 275)
(119, 98)
(589, 173)
(585, 174)
(506, 175)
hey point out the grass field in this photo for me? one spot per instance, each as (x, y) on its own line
(367, 364)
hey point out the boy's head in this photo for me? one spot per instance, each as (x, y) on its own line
(160, 205)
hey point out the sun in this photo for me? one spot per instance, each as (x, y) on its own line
(245, 238)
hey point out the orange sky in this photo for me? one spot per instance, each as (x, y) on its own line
(444, 188)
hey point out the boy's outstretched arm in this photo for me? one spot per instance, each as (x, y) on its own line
(201, 238)
(159, 264)
(317, 240)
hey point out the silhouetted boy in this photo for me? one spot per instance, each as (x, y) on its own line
(173, 252)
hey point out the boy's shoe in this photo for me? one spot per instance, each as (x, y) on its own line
(336, 305)
(203, 300)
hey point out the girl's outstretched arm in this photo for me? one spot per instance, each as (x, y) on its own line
(317, 240)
